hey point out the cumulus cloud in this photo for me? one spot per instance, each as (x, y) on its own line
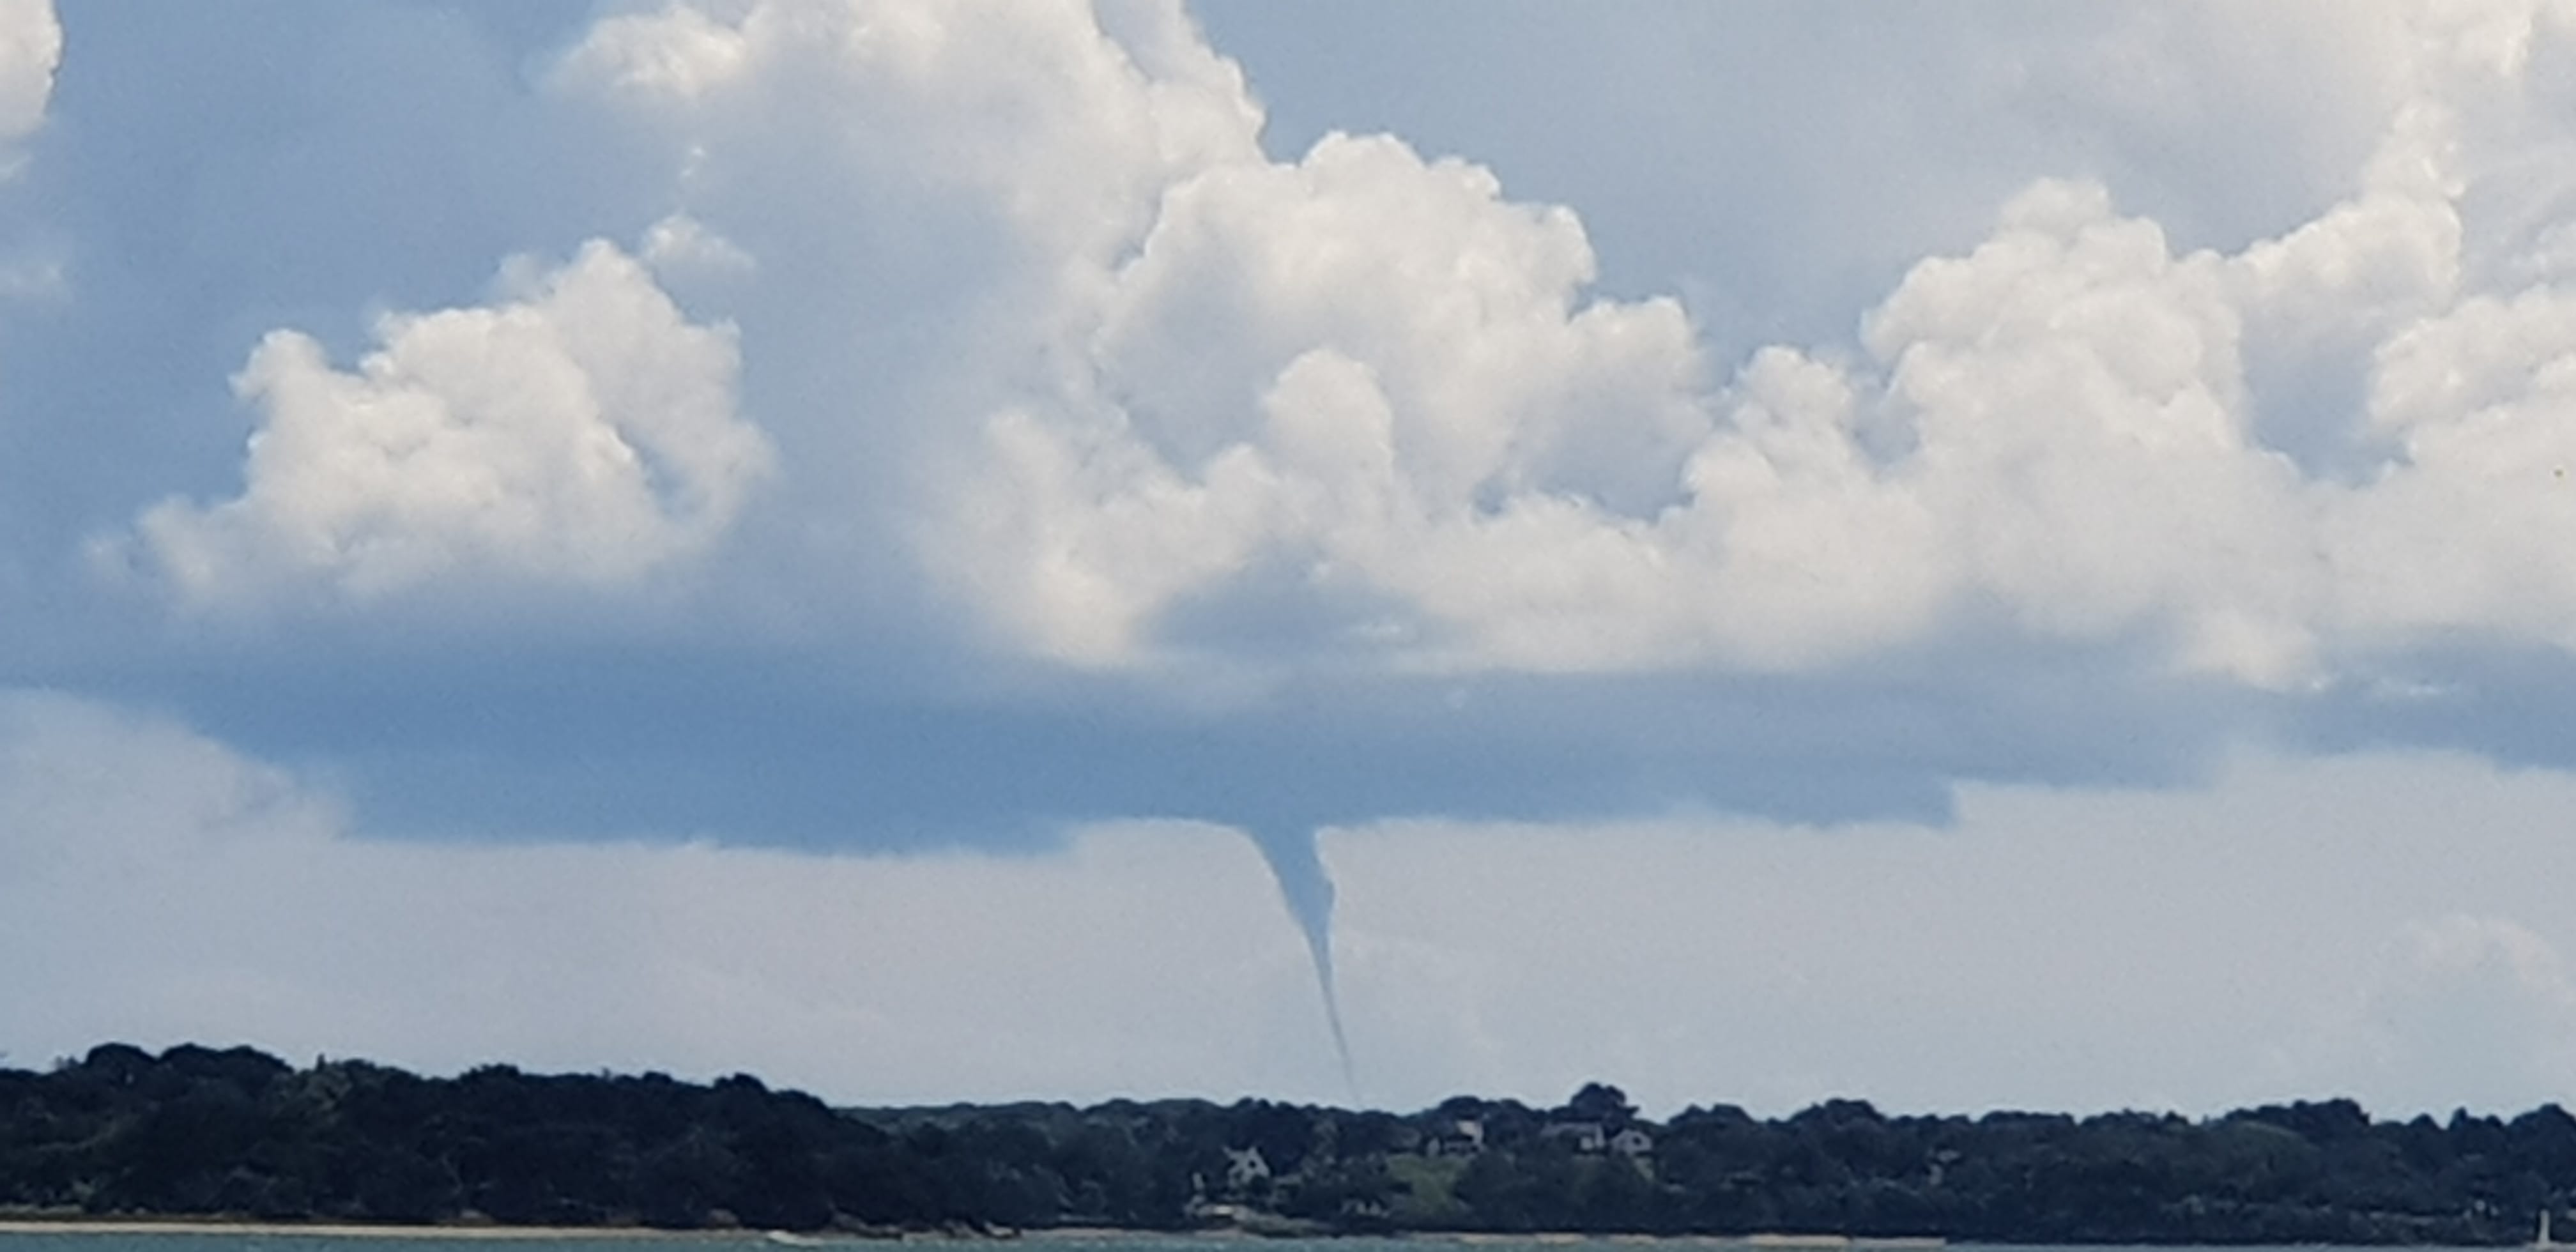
(1332, 362)
(1125, 384)
(580, 430)
(1370, 384)
(2057, 423)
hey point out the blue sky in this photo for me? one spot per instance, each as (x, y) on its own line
(2012, 555)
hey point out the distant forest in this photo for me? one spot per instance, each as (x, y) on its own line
(200, 1132)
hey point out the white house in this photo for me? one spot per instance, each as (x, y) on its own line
(1464, 1137)
(1244, 1167)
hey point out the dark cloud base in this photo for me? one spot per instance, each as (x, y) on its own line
(768, 752)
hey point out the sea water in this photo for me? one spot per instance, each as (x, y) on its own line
(274, 1240)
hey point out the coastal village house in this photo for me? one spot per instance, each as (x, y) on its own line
(1462, 1137)
(1595, 1139)
(1245, 1167)
(1465, 1136)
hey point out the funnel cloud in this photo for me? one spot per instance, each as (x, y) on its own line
(1307, 889)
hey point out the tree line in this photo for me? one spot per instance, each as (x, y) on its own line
(196, 1131)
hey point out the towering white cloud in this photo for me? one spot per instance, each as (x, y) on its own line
(1333, 363)
(1375, 380)
(1135, 375)
(580, 430)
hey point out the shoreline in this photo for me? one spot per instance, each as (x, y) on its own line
(1767, 1242)
(1764, 1241)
